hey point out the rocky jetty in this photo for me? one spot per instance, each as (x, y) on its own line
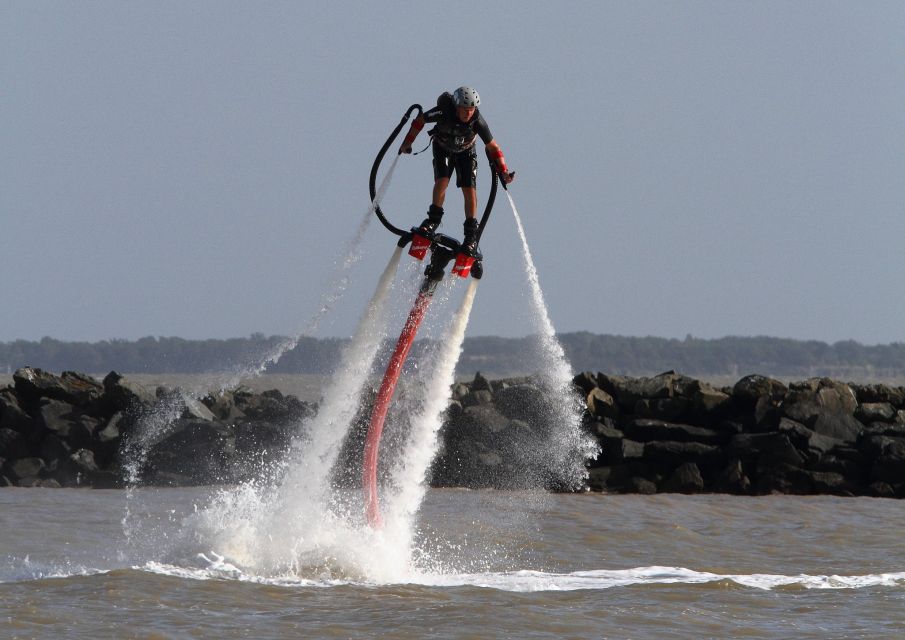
(667, 433)
(74, 431)
(671, 433)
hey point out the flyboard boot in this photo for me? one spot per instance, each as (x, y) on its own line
(467, 253)
(423, 235)
(470, 238)
(432, 221)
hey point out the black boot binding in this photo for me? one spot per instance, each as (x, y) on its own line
(470, 240)
(432, 221)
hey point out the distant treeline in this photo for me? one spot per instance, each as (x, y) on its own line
(731, 356)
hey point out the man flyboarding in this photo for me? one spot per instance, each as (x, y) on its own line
(458, 123)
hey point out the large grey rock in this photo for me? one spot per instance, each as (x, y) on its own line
(53, 449)
(475, 398)
(181, 403)
(113, 430)
(881, 490)
(199, 450)
(522, 402)
(710, 404)
(828, 482)
(842, 426)
(677, 453)
(12, 415)
(24, 468)
(223, 405)
(272, 405)
(123, 394)
(623, 451)
(780, 477)
(63, 420)
(83, 459)
(876, 446)
(890, 465)
(598, 478)
(808, 442)
(749, 389)
(12, 444)
(646, 430)
(628, 391)
(893, 429)
(480, 383)
(586, 381)
(855, 471)
(195, 409)
(773, 447)
(732, 479)
(807, 400)
(874, 393)
(685, 479)
(875, 412)
(480, 420)
(668, 409)
(641, 486)
(75, 388)
(601, 404)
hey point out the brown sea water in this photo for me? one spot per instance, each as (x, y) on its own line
(489, 565)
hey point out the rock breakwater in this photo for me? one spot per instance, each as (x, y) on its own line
(672, 433)
(74, 431)
(666, 433)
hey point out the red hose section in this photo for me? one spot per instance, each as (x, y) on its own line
(382, 404)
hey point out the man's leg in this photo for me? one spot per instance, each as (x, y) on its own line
(440, 185)
(470, 239)
(470, 194)
(435, 211)
(467, 180)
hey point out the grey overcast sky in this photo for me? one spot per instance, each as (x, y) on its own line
(194, 169)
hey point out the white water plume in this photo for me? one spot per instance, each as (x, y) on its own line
(153, 426)
(571, 447)
(299, 526)
(157, 423)
(326, 431)
(409, 475)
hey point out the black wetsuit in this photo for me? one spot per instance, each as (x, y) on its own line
(454, 140)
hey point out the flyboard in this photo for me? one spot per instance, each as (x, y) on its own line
(443, 249)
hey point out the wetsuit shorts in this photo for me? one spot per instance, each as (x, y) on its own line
(464, 162)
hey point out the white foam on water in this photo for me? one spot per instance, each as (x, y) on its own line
(212, 566)
(529, 581)
(26, 570)
(569, 446)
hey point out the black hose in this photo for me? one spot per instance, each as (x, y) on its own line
(386, 145)
(490, 198)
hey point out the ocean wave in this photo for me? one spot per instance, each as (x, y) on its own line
(528, 581)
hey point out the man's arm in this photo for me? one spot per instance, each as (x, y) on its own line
(414, 130)
(495, 154)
